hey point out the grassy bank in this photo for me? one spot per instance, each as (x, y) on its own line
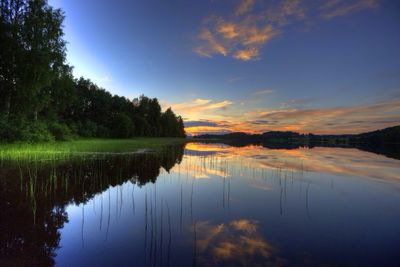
(83, 147)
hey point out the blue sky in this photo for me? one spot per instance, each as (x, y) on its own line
(246, 65)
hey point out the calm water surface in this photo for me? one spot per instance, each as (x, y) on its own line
(204, 205)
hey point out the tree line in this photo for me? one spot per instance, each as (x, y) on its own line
(40, 99)
(390, 135)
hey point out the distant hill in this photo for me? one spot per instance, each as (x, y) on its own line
(385, 142)
(389, 135)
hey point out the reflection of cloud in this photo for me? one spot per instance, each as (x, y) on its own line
(201, 176)
(340, 161)
(235, 242)
(201, 171)
(244, 225)
(263, 187)
(198, 170)
(208, 147)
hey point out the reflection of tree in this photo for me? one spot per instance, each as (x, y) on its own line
(27, 237)
(388, 150)
(33, 197)
(236, 243)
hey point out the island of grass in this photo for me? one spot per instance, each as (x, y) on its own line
(85, 147)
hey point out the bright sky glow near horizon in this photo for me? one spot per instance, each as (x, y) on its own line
(321, 66)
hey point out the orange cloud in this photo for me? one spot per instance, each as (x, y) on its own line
(198, 108)
(213, 47)
(207, 116)
(239, 39)
(233, 242)
(258, 35)
(244, 225)
(228, 30)
(244, 7)
(246, 54)
(242, 33)
(351, 119)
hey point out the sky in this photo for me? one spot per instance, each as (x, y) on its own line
(320, 66)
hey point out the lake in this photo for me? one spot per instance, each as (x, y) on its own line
(203, 205)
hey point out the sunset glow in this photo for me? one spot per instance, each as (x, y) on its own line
(247, 65)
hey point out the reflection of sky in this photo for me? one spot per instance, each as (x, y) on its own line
(256, 205)
(232, 242)
(341, 161)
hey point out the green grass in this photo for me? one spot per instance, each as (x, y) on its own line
(82, 147)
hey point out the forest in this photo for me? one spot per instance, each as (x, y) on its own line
(41, 100)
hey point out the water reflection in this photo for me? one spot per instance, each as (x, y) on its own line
(203, 205)
(344, 161)
(235, 243)
(34, 196)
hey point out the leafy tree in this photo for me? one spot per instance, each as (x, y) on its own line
(122, 126)
(34, 53)
(39, 97)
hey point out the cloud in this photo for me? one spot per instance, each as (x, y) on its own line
(286, 11)
(199, 132)
(213, 45)
(336, 8)
(199, 127)
(228, 30)
(333, 120)
(350, 119)
(200, 123)
(195, 108)
(235, 79)
(298, 102)
(244, 7)
(243, 32)
(203, 116)
(239, 38)
(263, 122)
(264, 92)
(246, 54)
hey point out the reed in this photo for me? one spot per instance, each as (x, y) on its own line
(82, 148)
